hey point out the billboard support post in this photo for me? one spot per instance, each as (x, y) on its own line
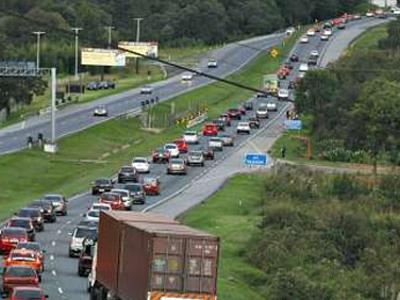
(53, 105)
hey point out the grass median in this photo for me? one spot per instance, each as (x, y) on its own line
(233, 214)
(102, 149)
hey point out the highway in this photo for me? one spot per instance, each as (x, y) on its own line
(60, 280)
(74, 118)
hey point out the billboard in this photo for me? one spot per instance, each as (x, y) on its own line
(102, 57)
(145, 48)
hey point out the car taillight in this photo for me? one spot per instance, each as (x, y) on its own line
(154, 184)
(5, 240)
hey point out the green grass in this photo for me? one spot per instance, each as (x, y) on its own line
(369, 40)
(186, 56)
(66, 173)
(233, 214)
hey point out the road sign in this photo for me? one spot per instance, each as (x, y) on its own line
(293, 124)
(274, 52)
(256, 159)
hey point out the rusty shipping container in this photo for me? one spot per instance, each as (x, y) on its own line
(151, 257)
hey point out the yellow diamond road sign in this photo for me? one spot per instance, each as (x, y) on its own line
(274, 53)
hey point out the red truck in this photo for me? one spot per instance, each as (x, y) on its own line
(141, 256)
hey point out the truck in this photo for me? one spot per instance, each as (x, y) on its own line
(270, 84)
(145, 256)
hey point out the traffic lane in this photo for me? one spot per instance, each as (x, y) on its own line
(58, 239)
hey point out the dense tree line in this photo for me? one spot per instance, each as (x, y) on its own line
(328, 237)
(355, 104)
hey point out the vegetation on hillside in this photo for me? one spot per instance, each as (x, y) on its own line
(354, 105)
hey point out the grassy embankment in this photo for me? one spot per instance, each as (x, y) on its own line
(296, 147)
(81, 157)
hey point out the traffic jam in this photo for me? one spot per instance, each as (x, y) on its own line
(141, 181)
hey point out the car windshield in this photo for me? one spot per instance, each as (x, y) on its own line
(14, 231)
(29, 213)
(262, 109)
(28, 294)
(120, 192)
(134, 187)
(243, 124)
(85, 232)
(109, 197)
(94, 213)
(102, 182)
(100, 207)
(176, 161)
(20, 272)
(140, 160)
(169, 146)
(53, 198)
(20, 255)
(127, 170)
(149, 180)
(19, 223)
(29, 246)
(191, 133)
(215, 140)
(196, 153)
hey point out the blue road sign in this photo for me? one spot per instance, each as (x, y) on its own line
(293, 124)
(256, 159)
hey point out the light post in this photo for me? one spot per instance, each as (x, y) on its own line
(38, 34)
(138, 20)
(76, 30)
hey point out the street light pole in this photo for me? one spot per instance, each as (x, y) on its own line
(109, 29)
(76, 30)
(38, 34)
(138, 20)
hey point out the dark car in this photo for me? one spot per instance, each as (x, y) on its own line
(220, 124)
(101, 185)
(128, 174)
(248, 105)
(136, 192)
(86, 257)
(25, 223)
(235, 113)
(312, 61)
(341, 26)
(294, 58)
(18, 276)
(46, 209)
(254, 122)
(208, 153)
(35, 215)
(261, 95)
(10, 237)
(59, 203)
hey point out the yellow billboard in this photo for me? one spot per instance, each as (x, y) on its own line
(102, 57)
(144, 48)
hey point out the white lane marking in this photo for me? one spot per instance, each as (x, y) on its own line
(53, 243)
(51, 257)
(59, 231)
(54, 273)
(60, 290)
(69, 222)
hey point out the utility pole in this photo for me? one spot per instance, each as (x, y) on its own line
(109, 30)
(76, 30)
(38, 34)
(138, 20)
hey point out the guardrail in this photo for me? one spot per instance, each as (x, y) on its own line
(196, 121)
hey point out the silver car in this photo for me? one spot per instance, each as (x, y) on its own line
(227, 139)
(262, 112)
(195, 158)
(59, 203)
(126, 197)
(216, 144)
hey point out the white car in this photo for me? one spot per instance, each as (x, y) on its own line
(327, 32)
(92, 215)
(141, 164)
(304, 40)
(187, 76)
(77, 237)
(262, 112)
(290, 30)
(243, 127)
(302, 74)
(357, 17)
(147, 89)
(216, 144)
(271, 106)
(283, 94)
(314, 53)
(396, 12)
(100, 111)
(310, 32)
(101, 206)
(212, 63)
(369, 14)
(191, 137)
(324, 37)
(126, 197)
(303, 68)
(172, 149)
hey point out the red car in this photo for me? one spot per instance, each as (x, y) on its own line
(182, 145)
(19, 276)
(28, 293)
(151, 186)
(24, 257)
(34, 246)
(210, 129)
(234, 113)
(113, 199)
(10, 237)
(160, 155)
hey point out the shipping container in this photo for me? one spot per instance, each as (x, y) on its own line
(146, 256)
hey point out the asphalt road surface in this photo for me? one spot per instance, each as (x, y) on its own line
(60, 280)
(77, 117)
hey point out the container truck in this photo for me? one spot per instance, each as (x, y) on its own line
(143, 256)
